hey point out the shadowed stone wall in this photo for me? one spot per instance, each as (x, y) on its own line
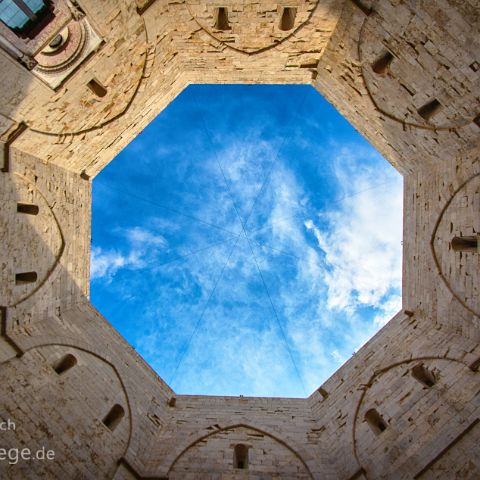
(406, 75)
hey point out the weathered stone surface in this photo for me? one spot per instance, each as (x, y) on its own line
(406, 75)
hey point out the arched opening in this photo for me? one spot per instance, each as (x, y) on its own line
(465, 244)
(240, 456)
(221, 19)
(287, 22)
(375, 421)
(97, 88)
(65, 364)
(382, 64)
(25, 277)
(424, 375)
(429, 109)
(27, 208)
(114, 417)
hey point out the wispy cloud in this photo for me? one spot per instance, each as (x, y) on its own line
(315, 275)
(105, 263)
(361, 237)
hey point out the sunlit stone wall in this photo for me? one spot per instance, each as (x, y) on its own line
(406, 75)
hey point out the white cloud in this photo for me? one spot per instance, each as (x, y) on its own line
(388, 309)
(105, 263)
(321, 269)
(361, 240)
(357, 265)
(337, 357)
(140, 237)
(141, 245)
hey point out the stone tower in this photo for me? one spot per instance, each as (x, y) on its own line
(79, 80)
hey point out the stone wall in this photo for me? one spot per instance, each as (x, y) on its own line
(406, 75)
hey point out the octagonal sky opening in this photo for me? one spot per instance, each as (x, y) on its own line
(248, 241)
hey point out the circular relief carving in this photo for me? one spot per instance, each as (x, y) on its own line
(64, 49)
(459, 265)
(413, 432)
(254, 27)
(118, 66)
(411, 65)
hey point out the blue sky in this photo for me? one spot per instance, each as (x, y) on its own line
(248, 241)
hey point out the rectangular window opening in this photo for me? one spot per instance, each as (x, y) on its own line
(382, 64)
(429, 109)
(65, 364)
(375, 421)
(465, 244)
(221, 20)
(365, 10)
(25, 277)
(287, 21)
(27, 208)
(114, 417)
(423, 375)
(97, 88)
(240, 456)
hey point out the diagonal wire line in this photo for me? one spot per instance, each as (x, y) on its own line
(272, 163)
(272, 306)
(197, 326)
(122, 305)
(290, 353)
(279, 250)
(269, 172)
(334, 202)
(194, 252)
(277, 318)
(173, 210)
(200, 318)
(227, 184)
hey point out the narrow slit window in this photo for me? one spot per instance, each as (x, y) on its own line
(429, 109)
(221, 19)
(27, 208)
(287, 22)
(114, 417)
(84, 175)
(66, 363)
(423, 375)
(240, 456)
(97, 88)
(323, 392)
(25, 277)
(375, 421)
(475, 365)
(465, 244)
(382, 64)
